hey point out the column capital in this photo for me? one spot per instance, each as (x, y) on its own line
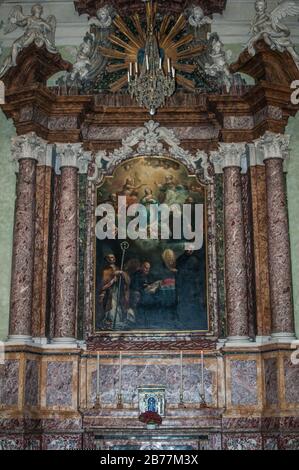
(28, 146)
(47, 157)
(229, 155)
(72, 155)
(273, 145)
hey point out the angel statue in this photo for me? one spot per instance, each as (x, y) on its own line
(90, 65)
(217, 64)
(198, 21)
(268, 26)
(36, 30)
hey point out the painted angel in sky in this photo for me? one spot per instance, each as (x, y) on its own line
(268, 26)
(37, 30)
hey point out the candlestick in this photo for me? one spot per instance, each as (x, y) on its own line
(147, 62)
(98, 400)
(181, 375)
(181, 402)
(202, 394)
(136, 68)
(202, 374)
(120, 373)
(129, 78)
(119, 395)
(98, 374)
(173, 72)
(131, 69)
(160, 63)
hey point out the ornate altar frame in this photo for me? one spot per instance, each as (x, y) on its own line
(51, 361)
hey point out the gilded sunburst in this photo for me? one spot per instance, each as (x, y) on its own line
(172, 44)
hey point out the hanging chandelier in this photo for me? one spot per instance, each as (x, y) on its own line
(147, 82)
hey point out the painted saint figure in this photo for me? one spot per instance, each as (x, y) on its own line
(114, 301)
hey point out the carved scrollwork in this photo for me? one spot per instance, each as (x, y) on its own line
(151, 140)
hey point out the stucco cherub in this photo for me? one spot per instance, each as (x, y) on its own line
(198, 21)
(217, 61)
(197, 18)
(37, 30)
(268, 26)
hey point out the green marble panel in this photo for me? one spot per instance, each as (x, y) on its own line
(7, 202)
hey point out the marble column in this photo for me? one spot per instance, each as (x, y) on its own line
(275, 150)
(70, 157)
(26, 150)
(230, 158)
(257, 174)
(44, 199)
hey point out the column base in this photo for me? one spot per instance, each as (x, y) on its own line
(263, 339)
(65, 342)
(19, 339)
(39, 340)
(283, 337)
(239, 341)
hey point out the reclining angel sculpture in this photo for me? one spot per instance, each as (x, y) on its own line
(90, 64)
(268, 26)
(37, 30)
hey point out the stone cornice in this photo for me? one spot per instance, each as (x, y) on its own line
(98, 123)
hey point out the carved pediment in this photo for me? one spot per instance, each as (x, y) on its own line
(34, 65)
(267, 65)
(150, 140)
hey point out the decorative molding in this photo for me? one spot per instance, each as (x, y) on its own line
(228, 155)
(149, 140)
(108, 343)
(273, 145)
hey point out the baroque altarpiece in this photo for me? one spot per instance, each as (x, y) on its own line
(212, 335)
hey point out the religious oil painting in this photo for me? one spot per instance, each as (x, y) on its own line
(158, 280)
